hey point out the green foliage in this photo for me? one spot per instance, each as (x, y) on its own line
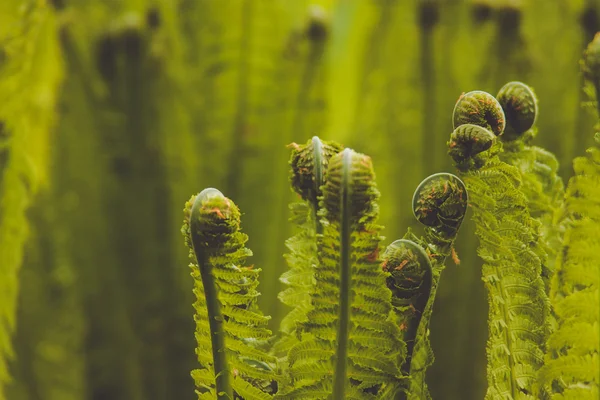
(30, 75)
(572, 362)
(228, 321)
(508, 236)
(158, 97)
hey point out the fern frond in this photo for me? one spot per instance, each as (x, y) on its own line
(411, 283)
(572, 368)
(349, 303)
(225, 304)
(440, 204)
(541, 185)
(308, 164)
(509, 245)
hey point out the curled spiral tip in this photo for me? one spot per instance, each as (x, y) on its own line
(520, 106)
(590, 64)
(209, 217)
(440, 202)
(350, 183)
(468, 144)
(308, 166)
(408, 265)
(479, 108)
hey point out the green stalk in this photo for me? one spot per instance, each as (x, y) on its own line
(224, 389)
(318, 174)
(339, 378)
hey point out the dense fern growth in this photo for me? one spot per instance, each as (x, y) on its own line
(308, 166)
(542, 186)
(30, 75)
(228, 321)
(440, 204)
(508, 245)
(572, 368)
(350, 348)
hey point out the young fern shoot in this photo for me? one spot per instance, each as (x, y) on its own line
(308, 167)
(350, 347)
(509, 246)
(228, 321)
(542, 186)
(440, 204)
(410, 281)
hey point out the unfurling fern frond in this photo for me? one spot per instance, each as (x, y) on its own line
(440, 204)
(509, 247)
(410, 281)
(229, 324)
(308, 166)
(572, 368)
(350, 347)
(542, 186)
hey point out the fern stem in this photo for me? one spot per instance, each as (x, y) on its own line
(224, 389)
(318, 176)
(339, 380)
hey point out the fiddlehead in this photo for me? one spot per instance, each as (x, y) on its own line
(508, 245)
(227, 317)
(479, 108)
(309, 165)
(468, 145)
(440, 203)
(410, 280)
(340, 351)
(520, 106)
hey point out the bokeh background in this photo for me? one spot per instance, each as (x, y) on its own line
(114, 112)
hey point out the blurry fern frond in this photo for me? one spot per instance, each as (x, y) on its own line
(229, 326)
(518, 320)
(31, 72)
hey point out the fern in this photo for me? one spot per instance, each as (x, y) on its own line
(410, 281)
(349, 348)
(542, 186)
(508, 245)
(308, 165)
(440, 204)
(30, 75)
(572, 367)
(227, 318)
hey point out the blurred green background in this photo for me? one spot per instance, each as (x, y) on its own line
(114, 112)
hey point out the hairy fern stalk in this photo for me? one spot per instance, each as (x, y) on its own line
(509, 246)
(229, 325)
